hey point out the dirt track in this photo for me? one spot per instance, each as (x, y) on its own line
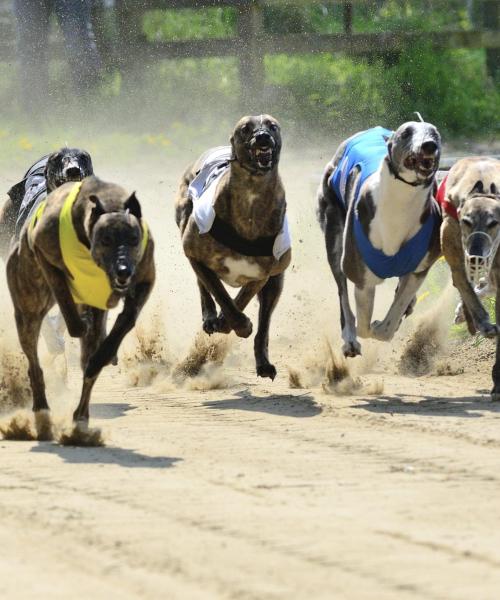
(255, 490)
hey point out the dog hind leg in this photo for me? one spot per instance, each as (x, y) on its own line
(268, 299)
(236, 319)
(406, 290)
(31, 305)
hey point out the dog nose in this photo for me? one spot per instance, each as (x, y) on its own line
(263, 138)
(429, 147)
(123, 273)
(73, 172)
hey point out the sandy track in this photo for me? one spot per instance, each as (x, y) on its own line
(258, 491)
(252, 493)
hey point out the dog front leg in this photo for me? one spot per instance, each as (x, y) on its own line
(237, 320)
(56, 280)
(268, 299)
(106, 350)
(246, 293)
(365, 298)
(407, 288)
(208, 310)
(479, 315)
(334, 243)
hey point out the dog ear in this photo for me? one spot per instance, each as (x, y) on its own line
(98, 208)
(133, 206)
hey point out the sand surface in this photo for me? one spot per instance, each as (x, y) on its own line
(227, 486)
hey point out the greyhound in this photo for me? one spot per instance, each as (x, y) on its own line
(231, 212)
(379, 218)
(48, 173)
(471, 258)
(85, 248)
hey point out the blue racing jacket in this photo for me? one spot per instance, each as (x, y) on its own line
(366, 151)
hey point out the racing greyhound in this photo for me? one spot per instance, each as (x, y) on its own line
(380, 220)
(470, 236)
(48, 173)
(231, 211)
(85, 248)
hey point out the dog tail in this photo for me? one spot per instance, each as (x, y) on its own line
(183, 204)
(326, 198)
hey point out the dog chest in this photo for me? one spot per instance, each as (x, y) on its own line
(239, 271)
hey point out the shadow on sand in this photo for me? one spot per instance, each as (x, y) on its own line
(465, 406)
(106, 456)
(300, 405)
(110, 410)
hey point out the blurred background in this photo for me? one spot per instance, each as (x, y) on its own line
(167, 75)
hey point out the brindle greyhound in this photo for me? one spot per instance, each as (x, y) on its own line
(230, 209)
(376, 209)
(470, 237)
(85, 249)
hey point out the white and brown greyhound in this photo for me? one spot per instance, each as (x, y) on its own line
(380, 220)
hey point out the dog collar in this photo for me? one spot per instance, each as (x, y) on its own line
(396, 175)
(446, 206)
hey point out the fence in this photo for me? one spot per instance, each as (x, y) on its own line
(127, 45)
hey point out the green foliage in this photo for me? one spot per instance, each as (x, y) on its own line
(450, 88)
(172, 25)
(326, 92)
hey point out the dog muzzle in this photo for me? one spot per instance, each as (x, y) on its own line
(479, 267)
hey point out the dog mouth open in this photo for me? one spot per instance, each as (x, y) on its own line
(423, 165)
(263, 158)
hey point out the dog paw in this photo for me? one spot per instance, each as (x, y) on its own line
(268, 370)
(487, 329)
(210, 325)
(351, 349)
(43, 426)
(495, 395)
(244, 328)
(378, 331)
(222, 324)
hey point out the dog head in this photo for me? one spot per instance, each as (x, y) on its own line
(67, 164)
(414, 151)
(116, 239)
(480, 232)
(256, 143)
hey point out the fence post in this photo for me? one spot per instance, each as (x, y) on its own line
(348, 18)
(251, 58)
(491, 20)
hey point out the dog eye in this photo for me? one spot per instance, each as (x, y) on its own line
(106, 240)
(492, 224)
(466, 221)
(273, 127)
(134, 240)
(246, 128)
(406, 133)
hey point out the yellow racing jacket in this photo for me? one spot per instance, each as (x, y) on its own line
(88, 283)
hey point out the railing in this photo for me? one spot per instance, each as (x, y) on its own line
(129, 45)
